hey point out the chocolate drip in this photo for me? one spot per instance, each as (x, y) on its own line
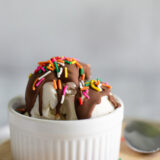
(113, 101)
(59, 96)
(84, 111)
(40, 101)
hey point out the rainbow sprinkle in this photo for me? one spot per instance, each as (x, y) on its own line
(59, 84)
(74, 62)
(54, 84)
(68, 62)
(96, 84)
(65, 89)
(60, 72)
(34, 83)
(55, 63)
(85, 94)
(80, 101)
(44, 75)
(39, 82)
(62, 99)
(66, 72)
(95, 87)
(64, 93)
(30, 75)
(81, 71)
(43, 69)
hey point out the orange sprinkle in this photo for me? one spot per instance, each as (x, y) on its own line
(59, 84)
(108, 86)
(78, 65)
(97, 83)
(60, 61)
(54, 84)
(84, 88)
(83, 77)
(44, 62)
(51, 63)
(52, 69)
(68, 59)
(33, 87)
(74, 59)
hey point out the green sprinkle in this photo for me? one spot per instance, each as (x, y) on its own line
(120, 158)
(88, 84)
(45, 68)
(68, 62)
(55, 63)
(40, 71)
(81, 71)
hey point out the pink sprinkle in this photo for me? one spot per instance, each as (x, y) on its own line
(39, 67)
(64, 90)
(84, 93)
(53, 60)
(63, 58)
(39, 82)
(43, 69)
(106, 83)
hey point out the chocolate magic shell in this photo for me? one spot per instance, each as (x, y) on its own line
(61, 70)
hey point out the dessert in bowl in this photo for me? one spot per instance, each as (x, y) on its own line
(65, 115)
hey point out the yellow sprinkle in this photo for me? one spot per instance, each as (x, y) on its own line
(66, 72)
(94, 87)
(73, 62)
(30, 75)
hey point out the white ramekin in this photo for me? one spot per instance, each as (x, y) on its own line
(39, 139)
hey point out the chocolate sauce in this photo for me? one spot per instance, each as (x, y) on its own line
(82, 111)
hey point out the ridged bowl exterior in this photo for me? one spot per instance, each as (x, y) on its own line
(90, 139)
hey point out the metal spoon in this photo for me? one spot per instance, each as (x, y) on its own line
(142, 137)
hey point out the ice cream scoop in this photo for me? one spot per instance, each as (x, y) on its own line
(60, 89)
(48, 126)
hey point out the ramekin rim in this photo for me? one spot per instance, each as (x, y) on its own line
(11, 110)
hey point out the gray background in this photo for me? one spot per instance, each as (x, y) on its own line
(120, 39)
